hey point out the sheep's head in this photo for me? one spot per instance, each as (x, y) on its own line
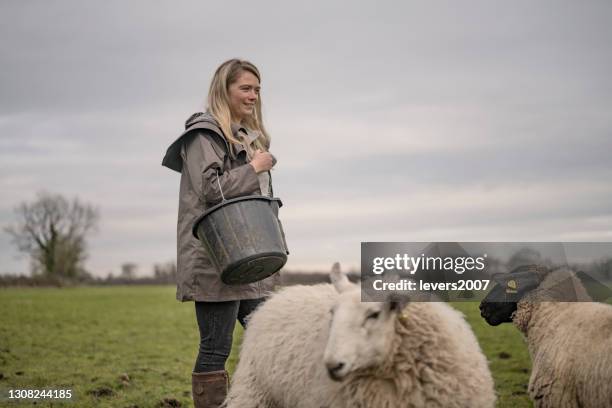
(501, 302)
(361, 333)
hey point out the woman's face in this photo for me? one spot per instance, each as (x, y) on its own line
(243, 94)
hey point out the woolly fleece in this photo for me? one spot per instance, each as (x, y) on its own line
(436, 360)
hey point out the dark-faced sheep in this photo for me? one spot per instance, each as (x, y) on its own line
(570, 343)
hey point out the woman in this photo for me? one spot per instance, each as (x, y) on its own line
(222, 153)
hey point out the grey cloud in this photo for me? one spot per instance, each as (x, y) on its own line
(75, 56)
(364, 100)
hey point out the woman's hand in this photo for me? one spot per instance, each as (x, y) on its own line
(262, 161)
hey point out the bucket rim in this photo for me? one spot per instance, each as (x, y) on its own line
(194, 229)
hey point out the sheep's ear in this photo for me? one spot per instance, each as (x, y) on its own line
(339, 279)
(524, 282)
(396, 302)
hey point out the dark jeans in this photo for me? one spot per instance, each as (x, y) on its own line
(216, 321)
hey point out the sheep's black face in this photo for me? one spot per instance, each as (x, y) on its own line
(495, 311)
(499, 305)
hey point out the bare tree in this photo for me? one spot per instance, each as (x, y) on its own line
(165, 272)
(524, 256)
(52, 231)
(128, 270)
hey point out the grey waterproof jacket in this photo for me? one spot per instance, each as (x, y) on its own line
(199, 154)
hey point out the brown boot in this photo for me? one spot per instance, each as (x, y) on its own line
(209, 389)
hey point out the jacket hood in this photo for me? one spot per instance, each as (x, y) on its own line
(200, 117)
(199, 120)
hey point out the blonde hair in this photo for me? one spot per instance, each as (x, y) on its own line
(219, 108)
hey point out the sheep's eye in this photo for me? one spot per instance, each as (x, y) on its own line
(373, 315)
(331, 311)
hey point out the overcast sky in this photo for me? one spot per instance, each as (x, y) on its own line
(394, 121)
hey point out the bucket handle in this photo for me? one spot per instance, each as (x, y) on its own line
(219, 184)
(270, 192)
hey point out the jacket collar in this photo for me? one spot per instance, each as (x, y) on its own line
(243, 134)
(236, 127)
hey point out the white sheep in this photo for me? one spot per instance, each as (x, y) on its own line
(570, 343)
(298, 354)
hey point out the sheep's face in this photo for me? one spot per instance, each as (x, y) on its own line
(360, 334)
(497, 312)
(501, 302)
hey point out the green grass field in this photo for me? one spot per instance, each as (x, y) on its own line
(135, 347)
